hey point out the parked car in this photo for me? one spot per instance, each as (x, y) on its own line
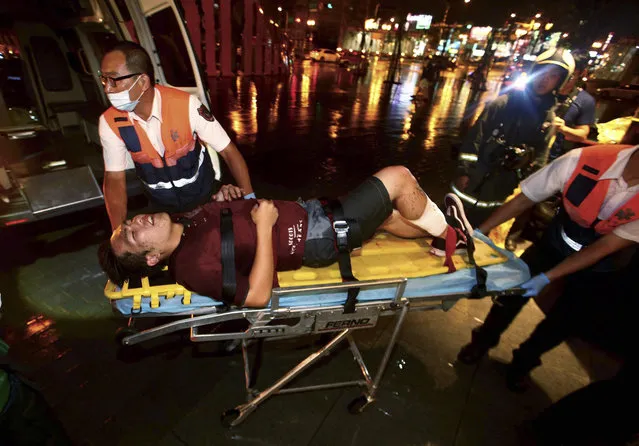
(623, 92)
(324, 55)
(353, 59)
(444, 62)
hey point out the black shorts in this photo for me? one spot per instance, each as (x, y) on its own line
(368, 204)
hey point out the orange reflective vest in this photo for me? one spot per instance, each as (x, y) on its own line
(585, 191)
(183, 178)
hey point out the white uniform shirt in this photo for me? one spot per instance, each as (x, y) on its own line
(117, 157)
(552, 179)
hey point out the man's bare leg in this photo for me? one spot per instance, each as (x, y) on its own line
(412, 204)
(399, 226)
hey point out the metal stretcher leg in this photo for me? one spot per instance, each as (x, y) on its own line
(235, 416)
(360, 403)
(250, 373)
(123, 332)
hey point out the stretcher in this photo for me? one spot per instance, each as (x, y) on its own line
(395, 276)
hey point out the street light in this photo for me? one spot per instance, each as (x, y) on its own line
(538, 15)
(279, 8)
(513, 15)
(448, 9)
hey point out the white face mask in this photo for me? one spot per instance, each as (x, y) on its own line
(122, 101)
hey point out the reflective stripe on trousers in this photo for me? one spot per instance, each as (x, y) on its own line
(473, 201)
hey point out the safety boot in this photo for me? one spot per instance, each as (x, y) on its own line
(518, 372)
(479, 345)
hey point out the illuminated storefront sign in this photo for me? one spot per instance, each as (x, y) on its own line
(422, 21)
(480, 33)
(371, 24)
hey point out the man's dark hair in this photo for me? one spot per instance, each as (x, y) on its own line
(129, 265)
(137, 59)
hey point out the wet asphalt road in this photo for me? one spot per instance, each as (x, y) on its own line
(325, 129)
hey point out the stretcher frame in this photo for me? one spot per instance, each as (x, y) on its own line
(266, 324)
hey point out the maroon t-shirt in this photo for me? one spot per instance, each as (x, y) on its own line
(197, 265)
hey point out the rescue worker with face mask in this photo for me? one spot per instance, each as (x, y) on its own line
(509, 138)
(165, 132)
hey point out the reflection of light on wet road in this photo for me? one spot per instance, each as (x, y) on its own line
(440, 112)
(37, 324)
(356, 113)
(252, 121)
(274, 111)
(408, 121)
(244, 122)
(234, 112)
(305, 90)
(333, 128)
(374, 94)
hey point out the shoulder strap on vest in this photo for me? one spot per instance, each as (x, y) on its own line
(173, 93)
(596, 160)
(116, 119)
(585, 191)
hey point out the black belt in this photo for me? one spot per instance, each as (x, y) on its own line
(347, 231)
(479, 290)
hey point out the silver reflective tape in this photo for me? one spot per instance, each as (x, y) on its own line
(473, 201)
(182, 181)
(570, 242)
(468, 157)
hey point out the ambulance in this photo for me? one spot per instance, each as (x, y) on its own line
(51, 96)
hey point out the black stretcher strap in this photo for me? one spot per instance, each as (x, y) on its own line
(229, 283)
(479, 289)
(344, 229)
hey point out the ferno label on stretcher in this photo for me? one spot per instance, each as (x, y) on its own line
(337, 320)
(388, 257)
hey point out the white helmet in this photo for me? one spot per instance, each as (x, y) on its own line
(559, 57)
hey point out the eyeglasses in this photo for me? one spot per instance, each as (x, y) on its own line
(112, 81)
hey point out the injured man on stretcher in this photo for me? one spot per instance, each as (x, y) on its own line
(260, 237)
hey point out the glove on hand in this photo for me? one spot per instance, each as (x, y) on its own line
(534, 286)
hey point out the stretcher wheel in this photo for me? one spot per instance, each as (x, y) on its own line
(229, 416)
(123, 332)
(358, 405)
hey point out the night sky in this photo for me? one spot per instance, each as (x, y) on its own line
(602, 16)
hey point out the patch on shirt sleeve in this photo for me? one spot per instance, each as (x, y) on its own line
(205, 113)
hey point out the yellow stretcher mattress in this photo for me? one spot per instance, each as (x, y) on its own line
(387, 257)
